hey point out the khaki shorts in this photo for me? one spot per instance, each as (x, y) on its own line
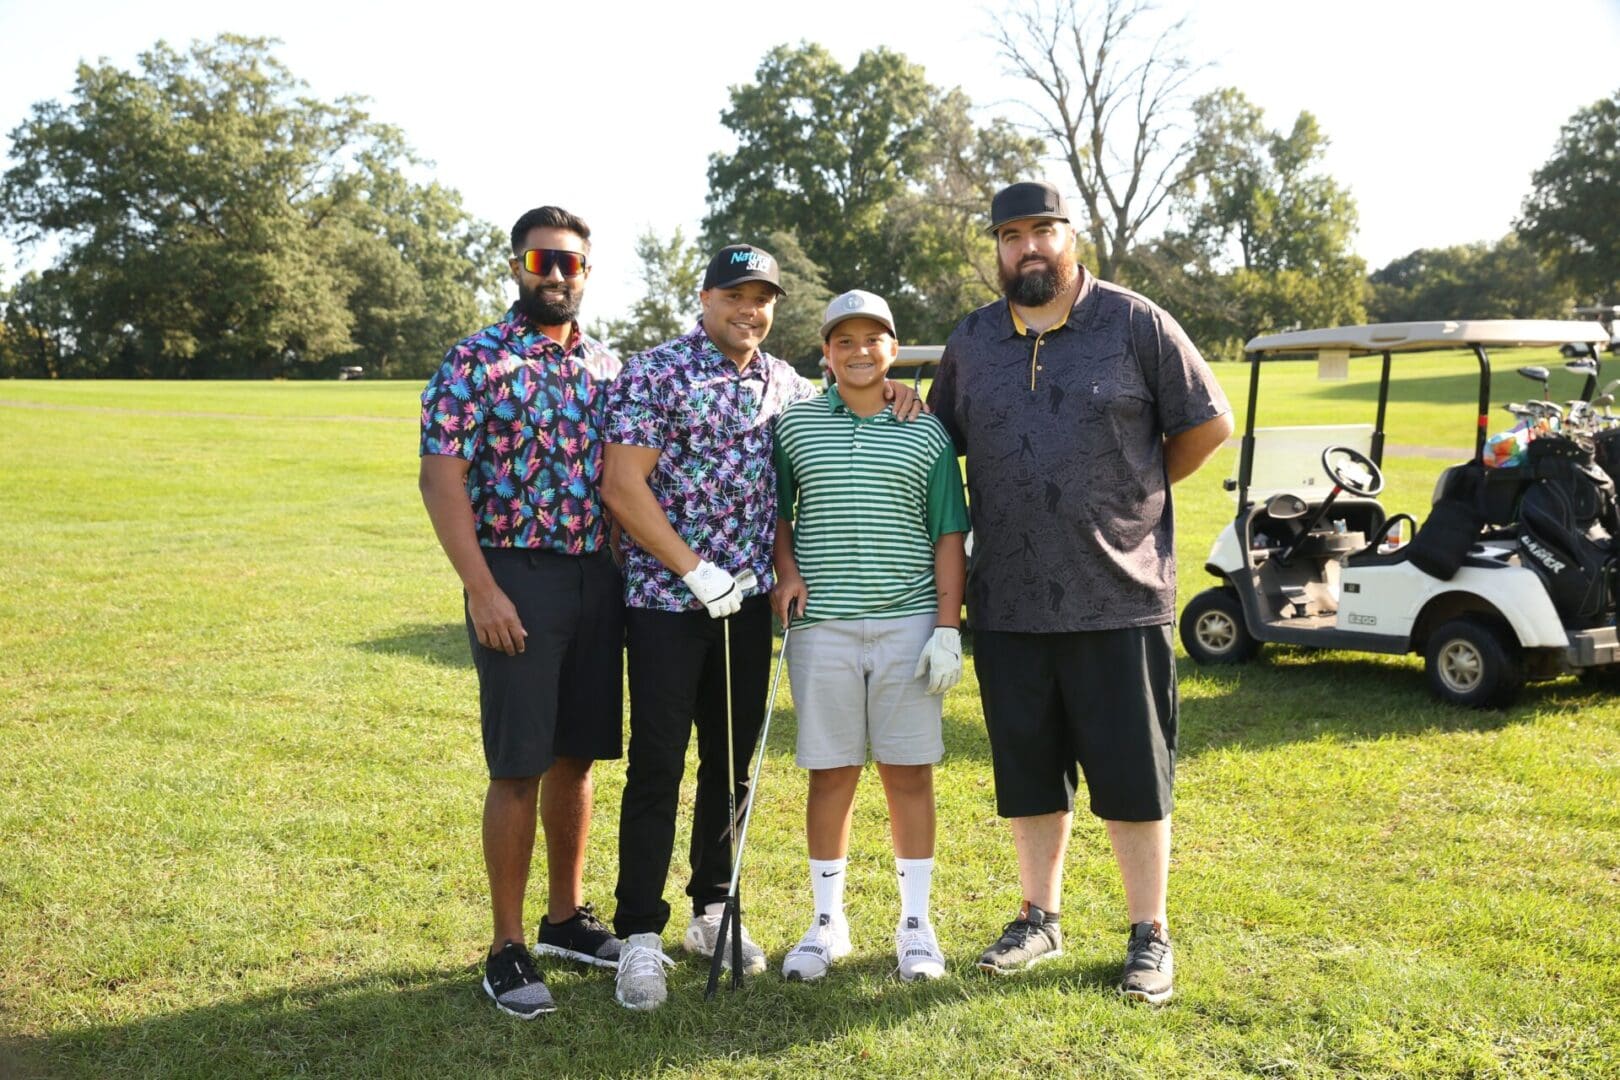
(853, 683)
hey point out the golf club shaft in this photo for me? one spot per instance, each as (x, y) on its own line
(741, 837)
(731, 751)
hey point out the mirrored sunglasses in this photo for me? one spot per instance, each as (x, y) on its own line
(542, 261)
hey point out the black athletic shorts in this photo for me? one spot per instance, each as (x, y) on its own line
(1104, 700)
(563, 695)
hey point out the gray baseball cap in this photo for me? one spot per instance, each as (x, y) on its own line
(857, 304)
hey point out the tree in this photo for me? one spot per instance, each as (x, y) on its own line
(1264, 238)
(1110, 98)
(32, 346)
(213, 218)
(935, 229)
(1503, 280)
(796, 328)
(672, 273)
(1571, 218)
(883, 179)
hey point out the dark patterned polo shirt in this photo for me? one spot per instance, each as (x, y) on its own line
(1063, 432)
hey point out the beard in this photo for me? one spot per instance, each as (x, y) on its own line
(1036, 284)
(543, 310)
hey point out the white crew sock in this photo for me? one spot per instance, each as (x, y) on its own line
(827, 884)
(916, 878)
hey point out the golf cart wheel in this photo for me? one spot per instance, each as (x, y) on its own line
(1473, 664)
(1213, 630)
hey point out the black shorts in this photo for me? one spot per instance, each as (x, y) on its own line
(1104, 700)
(563, 695)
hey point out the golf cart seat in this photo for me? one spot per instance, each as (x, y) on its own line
(1468, 500)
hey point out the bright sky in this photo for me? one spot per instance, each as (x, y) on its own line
(1438, 110)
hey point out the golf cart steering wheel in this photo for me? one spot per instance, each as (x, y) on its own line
(1364, 479)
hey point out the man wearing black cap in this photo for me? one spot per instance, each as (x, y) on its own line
(1078, 405)
(688, 473)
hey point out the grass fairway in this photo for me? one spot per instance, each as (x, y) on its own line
(242, 780)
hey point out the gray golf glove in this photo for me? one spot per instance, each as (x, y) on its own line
(717, 590)
(941, 660)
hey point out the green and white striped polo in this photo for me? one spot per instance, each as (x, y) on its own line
(868, 497)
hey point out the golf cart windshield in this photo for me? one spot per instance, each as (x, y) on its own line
(1289, 459)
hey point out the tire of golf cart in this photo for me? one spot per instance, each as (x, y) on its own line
(1474, 664)
(1213, 630)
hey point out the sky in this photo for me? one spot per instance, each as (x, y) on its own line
(1438, 111)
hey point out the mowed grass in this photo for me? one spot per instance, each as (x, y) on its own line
(242, 777)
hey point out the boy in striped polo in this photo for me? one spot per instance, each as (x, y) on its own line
(870, 563)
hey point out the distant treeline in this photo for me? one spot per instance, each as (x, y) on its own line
(210, 219)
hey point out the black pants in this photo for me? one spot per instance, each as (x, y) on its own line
(677, 675)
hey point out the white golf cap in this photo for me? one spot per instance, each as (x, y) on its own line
(857, 304)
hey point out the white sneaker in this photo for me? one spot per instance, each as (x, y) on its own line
(919, 953)
(826, 940)
(640, 982)
(700, 935)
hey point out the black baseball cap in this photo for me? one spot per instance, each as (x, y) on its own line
(1027, 199)
(737, 263)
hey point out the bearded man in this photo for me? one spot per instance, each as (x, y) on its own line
(1078, 404)
(511, 460)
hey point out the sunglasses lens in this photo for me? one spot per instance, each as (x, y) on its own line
(542, 261)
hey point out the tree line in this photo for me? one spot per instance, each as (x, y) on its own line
(210, 218)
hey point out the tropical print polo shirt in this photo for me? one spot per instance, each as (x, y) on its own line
(715, 479)
(526, 412)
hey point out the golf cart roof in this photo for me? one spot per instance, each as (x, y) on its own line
(1416, 336)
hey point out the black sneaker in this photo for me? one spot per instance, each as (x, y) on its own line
(581, 938)
(1148, 966)
(1025, 942)
(511, 981)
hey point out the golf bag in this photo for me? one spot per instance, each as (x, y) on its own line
(1607, 452)
(1567, 526)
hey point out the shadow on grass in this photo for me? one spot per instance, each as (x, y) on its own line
(1299, 695)
(439, 1023)
(438, 643)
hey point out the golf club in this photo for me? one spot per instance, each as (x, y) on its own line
(1537, 374)
(731, 918)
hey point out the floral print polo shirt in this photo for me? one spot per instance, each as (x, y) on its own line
(715, 478)
(526, 412)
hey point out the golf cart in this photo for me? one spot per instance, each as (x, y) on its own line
(1510, 576)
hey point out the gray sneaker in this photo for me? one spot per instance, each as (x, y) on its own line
(918, 950)
(640, 983)
(513, 983)
(700, 935)
(1148, 964)
(1024, 942)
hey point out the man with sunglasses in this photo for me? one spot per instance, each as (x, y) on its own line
(510, 462)
(689, 474)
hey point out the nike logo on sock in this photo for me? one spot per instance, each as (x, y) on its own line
(831, 873)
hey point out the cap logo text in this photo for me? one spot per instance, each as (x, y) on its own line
(754, 260)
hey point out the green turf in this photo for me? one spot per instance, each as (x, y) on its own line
(239, 753)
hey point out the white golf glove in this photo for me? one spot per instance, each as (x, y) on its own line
(717, 590)
(941, 660)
